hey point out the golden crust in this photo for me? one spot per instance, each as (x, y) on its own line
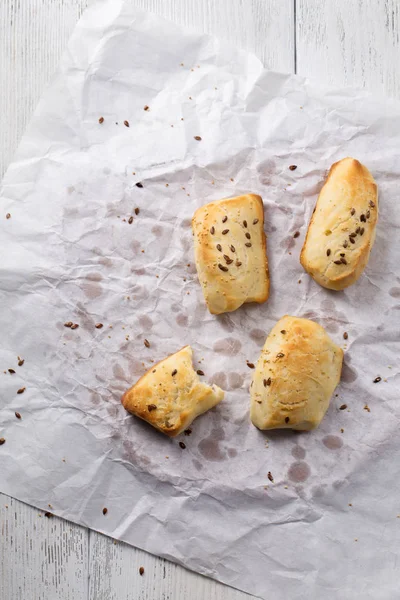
(348, 197)
(170, 395)
(295, 376)
(236, 273)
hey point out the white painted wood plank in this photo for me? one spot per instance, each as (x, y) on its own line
(114, 575)
(350, 42)
(40, 558)
(33, 34)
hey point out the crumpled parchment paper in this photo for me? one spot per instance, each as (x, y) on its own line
(74, 249)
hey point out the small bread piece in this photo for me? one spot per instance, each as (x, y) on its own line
(170, 395)
(230, 252)
(295, 376)
(342, 229)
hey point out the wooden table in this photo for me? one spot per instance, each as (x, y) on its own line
(336, 42)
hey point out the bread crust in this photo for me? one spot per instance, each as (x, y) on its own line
(342, 229)
(230, 252)
(170, 395)
(295, 376)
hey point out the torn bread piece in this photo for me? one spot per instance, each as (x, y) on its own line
(342, 229)
(170, 395)
(230, 252)
(295, 376)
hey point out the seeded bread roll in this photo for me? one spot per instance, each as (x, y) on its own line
(230, 252)
(295, 376)
(170, 395)
(342, 229)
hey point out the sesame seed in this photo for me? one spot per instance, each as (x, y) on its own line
(255, 221)
(101, 120)
(197, 138)
(182, 445)
(222, 267)
(126, 123)
(174, 372)
(225, 231)
(296, 235)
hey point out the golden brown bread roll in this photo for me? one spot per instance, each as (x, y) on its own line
(342, 229)
(170, 395)
(230, 252)
(295, 376)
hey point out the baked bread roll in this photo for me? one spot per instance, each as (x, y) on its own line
(230, 252)
(170, 395)
(342, 229)
(295, 376)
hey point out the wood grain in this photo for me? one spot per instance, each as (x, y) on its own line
(41, 558)
(350, 43)
(114, 575)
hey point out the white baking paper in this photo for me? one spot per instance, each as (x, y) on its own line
(327, 526)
